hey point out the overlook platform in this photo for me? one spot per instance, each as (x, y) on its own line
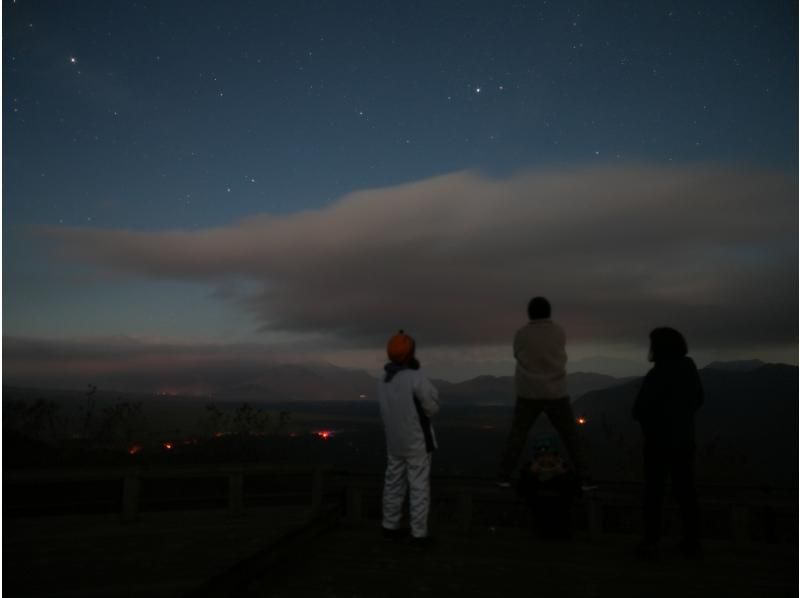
(359, 562)
(273, 531)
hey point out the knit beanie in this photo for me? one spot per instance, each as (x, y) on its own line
(400, 348)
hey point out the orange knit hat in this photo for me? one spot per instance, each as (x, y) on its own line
(400, 347)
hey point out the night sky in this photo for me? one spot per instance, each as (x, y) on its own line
(298, 179)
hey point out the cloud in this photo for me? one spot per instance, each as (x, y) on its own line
(232, 370)
(454, 259)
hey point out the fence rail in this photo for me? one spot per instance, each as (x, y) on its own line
(743, 510)
(132, 481)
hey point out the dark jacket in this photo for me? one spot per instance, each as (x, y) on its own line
(666, 404)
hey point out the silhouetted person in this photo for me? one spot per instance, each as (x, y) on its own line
(540, 382)
(665, 407)
(407, 401)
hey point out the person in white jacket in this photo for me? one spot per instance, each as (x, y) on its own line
(540, 382)
(407, 402)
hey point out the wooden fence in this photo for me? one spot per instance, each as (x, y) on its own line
(747, 515)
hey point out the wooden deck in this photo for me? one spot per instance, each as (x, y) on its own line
(160, 555)
(305, 534)
(358, 562)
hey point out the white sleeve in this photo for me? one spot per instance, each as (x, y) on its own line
(427, 394)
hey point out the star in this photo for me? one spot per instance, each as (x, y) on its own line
(73, 60)
(477, 90)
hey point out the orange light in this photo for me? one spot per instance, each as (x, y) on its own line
(581, 421)
(135, 449)
(325, 434)
(168, 446)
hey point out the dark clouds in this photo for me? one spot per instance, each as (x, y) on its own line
(244, 370)
(454, 258)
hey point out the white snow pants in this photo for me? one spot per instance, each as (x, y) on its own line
(412, 475)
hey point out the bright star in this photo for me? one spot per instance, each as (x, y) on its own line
(73, 60)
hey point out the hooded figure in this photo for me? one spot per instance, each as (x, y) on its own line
(407, 402)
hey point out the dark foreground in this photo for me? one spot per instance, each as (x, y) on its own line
(285, 552)
(260, 530)
(356, 561)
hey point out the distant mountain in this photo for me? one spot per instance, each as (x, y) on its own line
(742, 365)
(747, 428)
(499, 390)
(579, 383)
(302, 383)
(481, 390)
(610, 366)
(268, 382)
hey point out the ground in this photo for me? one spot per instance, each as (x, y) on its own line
(358, 562)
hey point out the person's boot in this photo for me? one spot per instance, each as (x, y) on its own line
(423, 542)
(502, 481)
(394, 534)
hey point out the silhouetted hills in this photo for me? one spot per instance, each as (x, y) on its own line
(742, 365)
(499, 390)
(746, 428)
(268, 383)
(612, 366)
(302, 383)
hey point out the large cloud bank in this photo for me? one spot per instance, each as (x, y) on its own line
(454, 259)
(243, 370)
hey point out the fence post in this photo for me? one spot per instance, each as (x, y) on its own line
(353, 504)
(236, 492)
(131, 490)
(740, 524)
(465, 511)
(316, 490)
(594, 517)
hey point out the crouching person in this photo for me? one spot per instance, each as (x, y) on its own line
(549, 487)
(407, 402)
